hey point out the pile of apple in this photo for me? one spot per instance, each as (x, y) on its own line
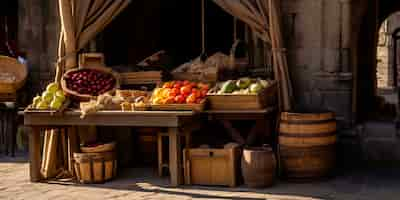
(180, 92)
(89, 81)
(52, 98)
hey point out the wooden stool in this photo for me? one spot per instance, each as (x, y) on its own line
(161, 164)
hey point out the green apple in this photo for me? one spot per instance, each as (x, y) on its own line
(43, 105)
(36, 100)
(60, 95)
(52, 87)
(56, 104)
(255, 88)
(47, 96)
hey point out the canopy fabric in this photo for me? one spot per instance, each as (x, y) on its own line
(81, 21)
(263, 17)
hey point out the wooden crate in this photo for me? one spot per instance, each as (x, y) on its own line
(91, 60)
(264, 98)
(197, 107)
(204, 166)
(202, 77)
(143, 77)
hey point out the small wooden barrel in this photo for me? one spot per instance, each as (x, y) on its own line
(258, 166)
(307, 144)
(95, 167)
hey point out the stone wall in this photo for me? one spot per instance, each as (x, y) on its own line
(38, 36)
(318, 44)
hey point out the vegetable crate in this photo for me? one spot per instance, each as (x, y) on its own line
(205, 166)
(266, 97)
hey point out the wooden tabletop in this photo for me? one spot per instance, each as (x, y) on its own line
(107, 118)
(260, 111)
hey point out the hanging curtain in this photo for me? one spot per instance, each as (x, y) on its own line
(81, 21)
(263, 17)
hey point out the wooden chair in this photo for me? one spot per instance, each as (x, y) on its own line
(161, 163)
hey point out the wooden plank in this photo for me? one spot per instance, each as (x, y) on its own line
(73, 146)
(50, 167)
(102, 120)
(175, 157)
(260, 111)
(34, 154)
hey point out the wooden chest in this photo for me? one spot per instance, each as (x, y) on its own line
(204, 166)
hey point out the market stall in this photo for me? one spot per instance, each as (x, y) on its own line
(88, 93)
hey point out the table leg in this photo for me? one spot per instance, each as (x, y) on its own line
(175, 156)
(233, 132)
(34, 154)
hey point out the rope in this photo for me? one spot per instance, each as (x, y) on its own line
(203, 31)
(234, 29)
(278, 49)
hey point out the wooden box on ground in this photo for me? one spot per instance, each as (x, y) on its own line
(264, 98)
(204, 166)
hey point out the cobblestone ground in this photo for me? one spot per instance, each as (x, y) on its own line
(143, 184)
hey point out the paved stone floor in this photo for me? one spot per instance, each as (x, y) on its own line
(377, 184)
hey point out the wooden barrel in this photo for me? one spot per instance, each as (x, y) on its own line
(95, 167)
(307, 144)
(258, 166)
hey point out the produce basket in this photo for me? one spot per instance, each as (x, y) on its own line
(87, 97)
(65, 105)
(95, 167)
(266, 97)
(99, 148)
(179, 96)
(12, 74)
(197, 107)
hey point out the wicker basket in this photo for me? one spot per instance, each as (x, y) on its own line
(100, 148)
(19, 72)
(87, 97)
(95, 167)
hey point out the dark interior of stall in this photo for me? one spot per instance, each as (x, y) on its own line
(146, 27)
(8, 28)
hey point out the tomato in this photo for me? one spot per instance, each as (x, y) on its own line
(172, 93)
(178, 84)
(186, 82)
(194, 85)
(180, 99)
(191, 99)
(196, 93)
(204, 93)
(170, 100)
(167, 85)
(186, 89)
(176, 91)
(203, 86)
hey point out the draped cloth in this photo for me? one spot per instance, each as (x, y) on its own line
(263, 17)
(81, 21)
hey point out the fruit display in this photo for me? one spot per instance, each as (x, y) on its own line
(243, 85)
(51, 99)
(89, 81)
(180, 92)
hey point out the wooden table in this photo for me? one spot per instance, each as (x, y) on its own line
(173, 120)
(261, 117)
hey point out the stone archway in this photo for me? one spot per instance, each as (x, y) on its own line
(366, 19)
